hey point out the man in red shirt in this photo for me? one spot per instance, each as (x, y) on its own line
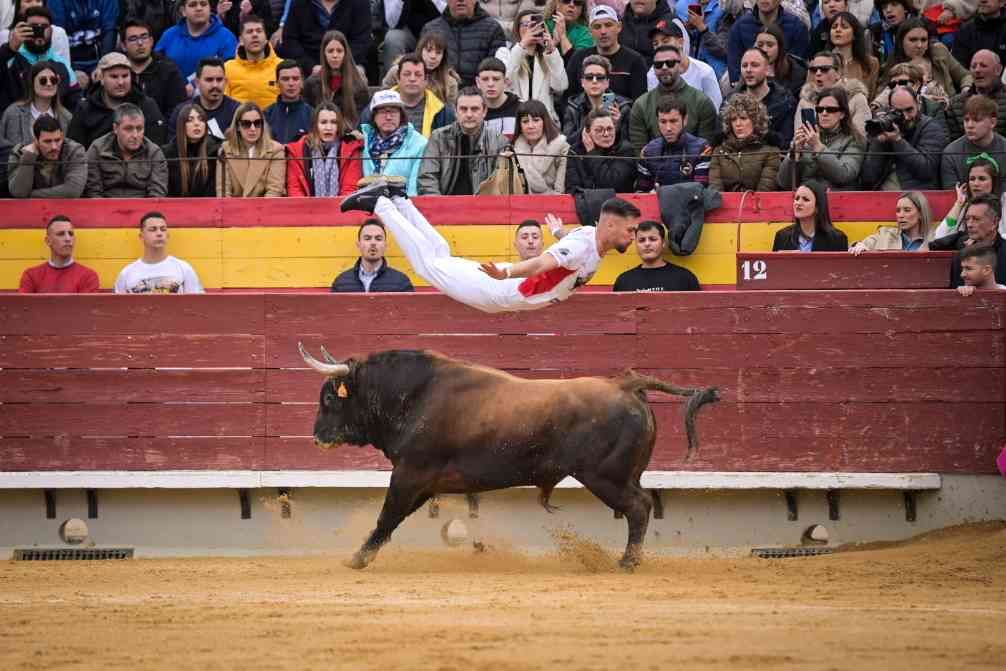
(60, 274)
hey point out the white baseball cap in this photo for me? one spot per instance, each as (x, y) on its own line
(386, 98)
(603, 12)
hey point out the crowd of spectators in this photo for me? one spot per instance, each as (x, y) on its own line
(274, 98)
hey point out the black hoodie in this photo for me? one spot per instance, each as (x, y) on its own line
(93, 117)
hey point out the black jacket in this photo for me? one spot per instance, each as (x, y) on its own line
(303, 32)
(288, 122)
(788, 240)
(636, 29)
(205, 188)
(93, 117)
(160, 14)
(916, 158)
(683, 210)
(585, 171)
(260, 8)
(978, 33)
(163, 81)
(468, 40)
(388, 279)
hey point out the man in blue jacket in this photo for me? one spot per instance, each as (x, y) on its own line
(198, 35)
(91, 27)
(371, 271)
(289, 118)
(742, 35)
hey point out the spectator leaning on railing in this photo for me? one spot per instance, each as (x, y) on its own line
(811, 230)
(911, 232)
(50, 166)
(125, 163)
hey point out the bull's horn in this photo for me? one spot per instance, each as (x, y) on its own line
(328, 357)
(329, 369)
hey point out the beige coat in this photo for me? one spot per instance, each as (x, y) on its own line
(240, 177)
(544, 164)
(886, 239)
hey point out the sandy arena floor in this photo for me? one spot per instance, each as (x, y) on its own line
(937, 602)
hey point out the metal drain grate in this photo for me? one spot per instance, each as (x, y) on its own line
(71, 554)
(786, 553)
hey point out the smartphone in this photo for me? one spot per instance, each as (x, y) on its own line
(695, 9)
(808, 116)
(608, 100)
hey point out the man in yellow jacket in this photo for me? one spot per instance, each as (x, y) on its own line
(251, 75)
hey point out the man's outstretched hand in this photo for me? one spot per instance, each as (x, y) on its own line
(493, 271)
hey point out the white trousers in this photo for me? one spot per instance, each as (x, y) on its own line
(430, 256)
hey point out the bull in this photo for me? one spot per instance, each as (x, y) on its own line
(450, 427)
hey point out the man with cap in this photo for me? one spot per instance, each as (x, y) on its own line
(391, 144)
(115, 87)
(628, 67)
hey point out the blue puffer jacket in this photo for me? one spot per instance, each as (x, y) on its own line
(743, 34)
(413, 147)
(186, 51)
(90, 27)
(661, 163)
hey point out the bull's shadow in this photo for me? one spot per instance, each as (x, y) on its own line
(450, 427)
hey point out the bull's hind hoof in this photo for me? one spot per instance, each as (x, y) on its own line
(357, 562)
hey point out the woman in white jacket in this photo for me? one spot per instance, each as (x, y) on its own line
(541, 149)
(534, 66)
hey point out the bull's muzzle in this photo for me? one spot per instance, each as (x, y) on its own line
(333, 370)
(322, 445)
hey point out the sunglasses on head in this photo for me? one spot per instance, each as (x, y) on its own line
(899, 82)
(595, 78)
(830, 109)
(251, 123)
(578, 3)
(660, 65)
(820, 68)
(48, 81)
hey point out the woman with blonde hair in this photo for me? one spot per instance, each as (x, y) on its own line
(534, 66)
(192, 157)
(338, 79)
(254, 165)
(911, 232)
(441, 78)
(744, 162)
(327, 162)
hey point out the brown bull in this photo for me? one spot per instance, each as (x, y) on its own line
(450, 427)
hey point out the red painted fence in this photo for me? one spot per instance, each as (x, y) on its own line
(867, 381)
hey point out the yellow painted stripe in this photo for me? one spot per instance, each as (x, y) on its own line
(284, 257)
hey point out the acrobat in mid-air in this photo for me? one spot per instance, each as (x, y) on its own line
(527, 285)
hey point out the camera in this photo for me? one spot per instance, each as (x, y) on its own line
(37, 30)
(885, 122)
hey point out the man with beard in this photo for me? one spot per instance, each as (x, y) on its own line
(114, 88)
(30, 42)
(157, 76)
(676, 156)
(980, 138)
(50, 166)
(371, 272)
(643, 123)
(544, 280)
(211, 80)
(60, 274)
(124, 163)
(907, 157)
(986, 69)
(777, 100)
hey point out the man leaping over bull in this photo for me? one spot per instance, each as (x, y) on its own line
(527, 285)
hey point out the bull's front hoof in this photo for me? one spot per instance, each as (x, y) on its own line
(628, 564)
(357, 562)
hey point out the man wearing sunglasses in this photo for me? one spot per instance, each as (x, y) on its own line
(643, 122)
(906, 157)
(986, 69)
(30, 41)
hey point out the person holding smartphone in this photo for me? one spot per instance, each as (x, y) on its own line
(596, 95)
(826, 146)
(534, 66)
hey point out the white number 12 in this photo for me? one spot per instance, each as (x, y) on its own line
(755, 270)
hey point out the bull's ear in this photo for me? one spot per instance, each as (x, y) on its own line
(342, 391)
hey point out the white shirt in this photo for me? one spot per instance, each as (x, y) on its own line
(170, 276)
(578, 260)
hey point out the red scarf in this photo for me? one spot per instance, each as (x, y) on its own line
(335, 82)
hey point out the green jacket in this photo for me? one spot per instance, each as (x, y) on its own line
(701, 121)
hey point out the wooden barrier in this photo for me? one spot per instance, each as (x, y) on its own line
(841, 270)
(301, 243)
(860, 381)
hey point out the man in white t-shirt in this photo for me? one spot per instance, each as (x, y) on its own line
(534, 283)
(157, 272)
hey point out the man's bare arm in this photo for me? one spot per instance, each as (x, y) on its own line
(535, 266)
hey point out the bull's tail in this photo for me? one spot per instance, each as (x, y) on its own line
(636, 383)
